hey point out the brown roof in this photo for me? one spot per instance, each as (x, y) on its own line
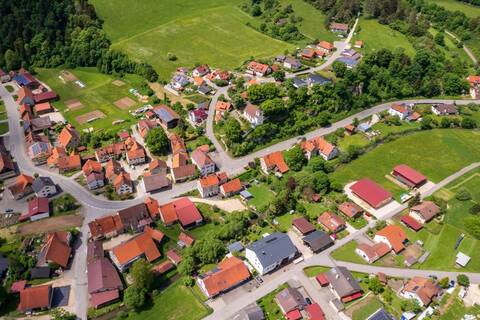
(201, 158)
(179, 160)
(35, 298)
(155, 182)
(427, 209)
(102, 226)
(174, 256)
(22, 182)
(303, 225)
(157, 164)
(102, 276)
(230, 272)
(112, 169)
(152, 206)
(6, 163)
(275, 160)
(163, 267)
(70, 162)
(22, 93)
(424, 288)
(122, 179)
(350, 209)
(331, 221)
(132, 216)
(184, 171)
(177, 144)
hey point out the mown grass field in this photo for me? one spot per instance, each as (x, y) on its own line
(455, 5)
(313, 24)
(435, 153)
(177, 302)
(99, 94)
(205, 31)
(377, 36)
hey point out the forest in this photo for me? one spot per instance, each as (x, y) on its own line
(43, 33)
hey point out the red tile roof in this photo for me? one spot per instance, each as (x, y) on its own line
(294, 315)
(91, 166)
(229, 272)
(371, 192)
(36, 206)
(319, 143)
(232, 186)
(410, 174)
(168, 213)
(66, 135)
(18, 286)
(350, 209)
(152, 206)
(174, 256)
(42, 107)
(326, 45)
(56, 248)
(142, 244)
(102, 226)
(314, 312)
(35, 298)
(409, 221)
(163, 267)
(187, 212)
(186, 239)
(258, 67)
(101, 298)
(331, 221)
(275, 160)
(395, 236)
(209, 181)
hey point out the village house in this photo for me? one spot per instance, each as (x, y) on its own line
(421, 289)
(55, 249)
(168, 118)
(25, 79)
(144, 126)
(221, 108)
(39, 152)
(393, 236)
(444, 109)
(371, 193)
(319, 146)
(208, 186)
(343, 284)
(44, 187)
(112, 170)
(38, 208)
(308, 53)
(270, 252)
(371, 253)
(202, 160)
(142, 245)
(7, 166)
(358, 44)
(43, 108)
(22, 187)
(222, 75)
(401, 111)
(123, 184)
(45, 96)
(228, 274)
(316, 79)
(474, 82)
(157, 166)
(326, 47)
(37, 125)
(154, 182)
(253, 114)
(184, 240)
(136, 153)
(408, 176)
(113, 151)
(34, 299)
(258, 69)
(201, 71)
(274, 162)
(183, 172)
(69, 138)
(25, 96)
(106, 227)
(350, 209)
(302, 226)
(331, 222)
(339, 27)
(135, 218)
(197, 116)
(68, 163)
(425, 211)
(104, 283)
(179, 82)
(93, 173)
(317, 241)
(182, 210)
(174, 257)
(291, 63)
(290, 301)
(231, 188)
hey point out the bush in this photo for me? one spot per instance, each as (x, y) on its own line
(475, 209)
(463, 195)
(463, 280)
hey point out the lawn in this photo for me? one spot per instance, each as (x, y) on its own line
(435, 153)
(99, 94)
(205, 31)
(457, 310)
(313, 25)
(313, 271)
(450, 48)
(270, 308)
(3, 127)
(177, 302)
(367, 310)
(456, 5)
(347, 253)
(285, 221)
(377, 36)
(262, 196)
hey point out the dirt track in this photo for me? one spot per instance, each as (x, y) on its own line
(52, 224)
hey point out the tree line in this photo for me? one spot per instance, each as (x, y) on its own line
(43, 33)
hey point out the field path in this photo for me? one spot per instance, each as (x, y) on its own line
(465, 48)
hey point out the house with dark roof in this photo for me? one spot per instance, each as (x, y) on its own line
(381, 314)
(167, 116)
(290, 299)
(270, 252)
(316, 79)
(250, 312)
(408, 176)
(135, 217)
(318, 241)
(44, 187)
(197, 116)
(7, 167)
(343, 284)
(45, 96)
(40, 273)
(444, 109)
(154, 182)
(228, 274)
(106, 227)
(104, 283)
(94, 251)
(35, 299)
(302, 226)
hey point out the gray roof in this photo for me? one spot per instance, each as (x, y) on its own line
(235, 247)
(342, 281)
(204, 89)
(273, 248)
(314, 78)
(155, 182)
(41, 182)
(381, 314)
(290, 299)
(318, 240)
(250, 312)
(297, 82)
